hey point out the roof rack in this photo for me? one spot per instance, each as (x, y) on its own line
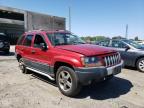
(48, 30)
(36, 30)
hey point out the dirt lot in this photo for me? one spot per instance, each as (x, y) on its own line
(17, 90)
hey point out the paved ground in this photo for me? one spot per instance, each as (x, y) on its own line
(17, 90)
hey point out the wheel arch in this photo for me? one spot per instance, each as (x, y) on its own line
(60, 63)
(18, 56)
(140, 57)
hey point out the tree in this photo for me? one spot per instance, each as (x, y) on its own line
(99, 38)
(118, 37)
(93, 38)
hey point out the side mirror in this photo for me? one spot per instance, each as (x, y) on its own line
(127, 48)
(43, 46)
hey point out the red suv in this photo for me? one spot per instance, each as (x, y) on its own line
(65, 58)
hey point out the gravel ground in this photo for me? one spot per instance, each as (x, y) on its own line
(18, 90)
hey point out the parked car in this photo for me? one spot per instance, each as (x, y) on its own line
(140, 42)
(4, 43)
(65, 58)
(131, 52)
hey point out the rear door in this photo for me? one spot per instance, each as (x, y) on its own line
(26, 49)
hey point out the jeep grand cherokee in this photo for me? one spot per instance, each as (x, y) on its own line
(65, 58)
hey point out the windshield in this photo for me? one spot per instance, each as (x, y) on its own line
(134, 44)
(64, 39)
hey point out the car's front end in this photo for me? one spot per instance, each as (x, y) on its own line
(97, 63)
(99, 68)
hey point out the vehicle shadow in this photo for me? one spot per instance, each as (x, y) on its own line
(106, 90)
(99, 91)
(131, 68)
(10, 54)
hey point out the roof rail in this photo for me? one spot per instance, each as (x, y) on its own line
(48, 30)
(36, 30)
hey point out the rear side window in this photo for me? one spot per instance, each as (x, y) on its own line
(105, 43)
(20, 40)
(28, 40)
(118, 44)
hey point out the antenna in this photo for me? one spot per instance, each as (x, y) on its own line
(126, 33)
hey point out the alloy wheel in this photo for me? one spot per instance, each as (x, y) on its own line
(141, 65)
(65, 80)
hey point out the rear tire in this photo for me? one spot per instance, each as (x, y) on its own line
(140, 65)
(67, 81)
(22, 66)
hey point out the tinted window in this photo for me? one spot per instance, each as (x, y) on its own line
(20, 40)
(104, 43)
(64, 39)
(38, 41)
(118, 44)
(28, 40)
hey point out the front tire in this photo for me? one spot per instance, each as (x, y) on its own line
(22, 66)
(140, 65)
(67, 81)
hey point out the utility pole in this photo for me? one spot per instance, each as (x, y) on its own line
(70, 19)
(126, 33)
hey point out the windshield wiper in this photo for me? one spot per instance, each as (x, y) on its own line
(78, 43)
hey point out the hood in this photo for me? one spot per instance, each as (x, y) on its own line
(87, 49)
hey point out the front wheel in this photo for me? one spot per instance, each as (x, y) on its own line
(140, 64)
(67, 81)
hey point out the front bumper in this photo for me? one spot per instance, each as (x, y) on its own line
(87, 75)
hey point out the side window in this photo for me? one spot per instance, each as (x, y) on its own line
(28, 40)
(118, 44)
(38, 41)
(115, 44)
(20, 40)
(105, 43)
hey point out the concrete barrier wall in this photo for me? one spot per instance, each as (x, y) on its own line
(36, 21)
(32, 21)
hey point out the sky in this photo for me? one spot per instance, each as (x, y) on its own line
(92, 17)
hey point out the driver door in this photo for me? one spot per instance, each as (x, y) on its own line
(42, 57)
(127, 55)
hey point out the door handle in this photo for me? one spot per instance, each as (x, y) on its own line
(33, 51)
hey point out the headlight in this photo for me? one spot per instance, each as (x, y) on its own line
(91, 62)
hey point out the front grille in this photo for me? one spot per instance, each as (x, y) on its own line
(112, 60)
